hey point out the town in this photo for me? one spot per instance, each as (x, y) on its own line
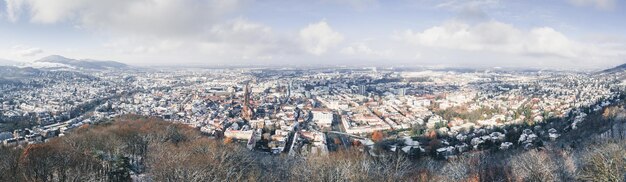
(301, 112)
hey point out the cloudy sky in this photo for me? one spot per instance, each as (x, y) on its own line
(568, 34)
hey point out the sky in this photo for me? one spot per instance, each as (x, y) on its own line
(557, 34)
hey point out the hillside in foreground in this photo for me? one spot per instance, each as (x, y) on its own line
(147, 149)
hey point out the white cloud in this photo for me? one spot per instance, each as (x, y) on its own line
(240, 30)
(358, 4)
(491, 38)
(497, 37)
(362, 49)
(233, 40)
(160, 17)
(599, 4)
(317, 38)
(462, 4)
(248, 40)
(14, 9)
(548, 41)
(25, 51)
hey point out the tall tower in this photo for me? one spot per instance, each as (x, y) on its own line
(246, 112)
(289, 90)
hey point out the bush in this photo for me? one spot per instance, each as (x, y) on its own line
(534, 166)
(606, 162)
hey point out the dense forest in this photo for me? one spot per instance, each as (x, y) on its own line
(148, 149)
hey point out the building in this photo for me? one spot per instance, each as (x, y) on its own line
(323, 118)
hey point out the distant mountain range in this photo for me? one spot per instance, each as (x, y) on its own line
(56, 61)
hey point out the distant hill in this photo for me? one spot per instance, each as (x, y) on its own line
(12, 74)
(56, 61)
(620, 68)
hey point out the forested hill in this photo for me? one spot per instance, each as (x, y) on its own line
(147, 149)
